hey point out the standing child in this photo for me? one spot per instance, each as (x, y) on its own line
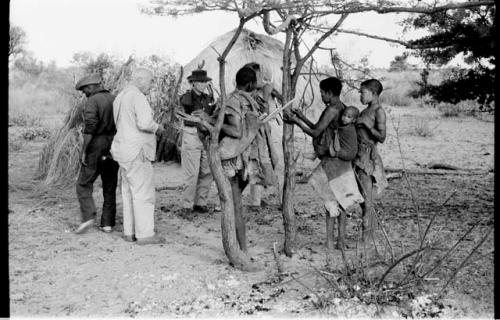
(371, 129)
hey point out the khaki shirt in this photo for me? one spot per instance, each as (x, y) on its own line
(135, 126)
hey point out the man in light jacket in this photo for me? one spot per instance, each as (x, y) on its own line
(134, 147)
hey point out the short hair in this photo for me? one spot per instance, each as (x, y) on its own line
(331, 84)
(353, 110)
(245, 75)
(373, 85)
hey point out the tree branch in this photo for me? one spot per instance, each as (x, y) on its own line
(320, 40)
(407, 44)
(356, 8)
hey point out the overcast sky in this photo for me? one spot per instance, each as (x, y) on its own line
(56, 29)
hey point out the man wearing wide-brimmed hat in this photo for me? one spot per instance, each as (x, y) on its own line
(95, 158)
(194, 158)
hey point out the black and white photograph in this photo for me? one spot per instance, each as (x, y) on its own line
(251, 159)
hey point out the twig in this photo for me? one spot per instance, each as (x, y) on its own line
(406, 177)
(422, 240)
(308, 288)
(445, 256)
(385, 236)
(465, 261)
(409, 254)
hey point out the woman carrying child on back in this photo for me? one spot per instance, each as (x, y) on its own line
(371, 129)
(335, 145)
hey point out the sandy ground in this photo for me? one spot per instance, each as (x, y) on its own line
(54, 272)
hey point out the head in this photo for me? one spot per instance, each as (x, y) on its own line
(199, 80)
(350, 115)
(89, 84)
(330, 88)
(246, 79)
(258, 73)
(89, 89)
(370, 90)
(143, 79)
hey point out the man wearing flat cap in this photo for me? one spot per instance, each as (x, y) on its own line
(194, 158)
(95, 157)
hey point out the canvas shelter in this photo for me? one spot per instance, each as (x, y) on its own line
(253, 47)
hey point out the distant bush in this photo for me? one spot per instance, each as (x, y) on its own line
(24, 120)
(421, 128)
(16, 144)
(36, 132)
(461, 85)
(465, 107)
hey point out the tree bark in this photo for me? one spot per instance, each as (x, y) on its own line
(289, 222)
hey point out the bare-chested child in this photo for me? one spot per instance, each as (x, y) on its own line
(371, 130)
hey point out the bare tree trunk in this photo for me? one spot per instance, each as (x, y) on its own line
(236, 256)
(288, 152)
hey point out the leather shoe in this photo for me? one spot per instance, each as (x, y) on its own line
(156, 239)
(200, 209)
(129, 238)
(83, 227)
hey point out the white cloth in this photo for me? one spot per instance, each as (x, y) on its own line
(342, 191)
(135, 126)
(198, 176)
(138, 193)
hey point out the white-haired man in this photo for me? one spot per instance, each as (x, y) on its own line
(134, 147)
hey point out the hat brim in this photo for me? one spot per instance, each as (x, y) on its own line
(82, 85)
(199, 79)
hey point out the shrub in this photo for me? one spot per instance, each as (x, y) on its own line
(465, 107)
(421, 128)
(32, 133)
(22, 119)
(16, 144)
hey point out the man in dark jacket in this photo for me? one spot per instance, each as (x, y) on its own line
(95, 158)
(194, 159)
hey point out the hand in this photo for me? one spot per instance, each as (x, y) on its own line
(160, 130)
(267, 89)
(298, 112)
(290, 118)
(83, 159)
(201, 114)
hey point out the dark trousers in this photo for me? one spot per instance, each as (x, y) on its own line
(108, 170)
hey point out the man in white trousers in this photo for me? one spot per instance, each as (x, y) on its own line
(134, 148)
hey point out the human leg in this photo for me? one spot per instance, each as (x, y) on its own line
(341, 221)
(128, 207)
(205, 180)
(84, 189)
(140, 176)
(330, 222)
(190, 162)
(256, 194)
(237, 186)
(109, 177)
(366, 185)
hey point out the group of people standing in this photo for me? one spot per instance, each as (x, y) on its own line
(120, 136)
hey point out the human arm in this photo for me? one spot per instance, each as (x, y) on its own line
(144, 114)
(323, 122)
(302, 117)
(379, 129)
(91, 118)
